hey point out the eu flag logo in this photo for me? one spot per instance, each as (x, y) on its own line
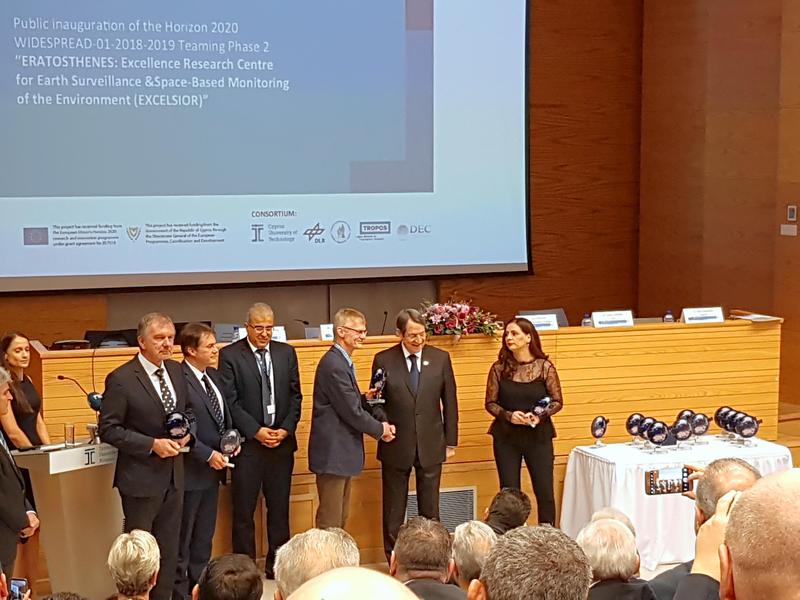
(35, 236)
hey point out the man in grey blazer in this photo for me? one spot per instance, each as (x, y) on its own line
(420, 400)
(339, 421)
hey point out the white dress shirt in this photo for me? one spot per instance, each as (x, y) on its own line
(151, 369)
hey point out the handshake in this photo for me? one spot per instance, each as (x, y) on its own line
(388, 432)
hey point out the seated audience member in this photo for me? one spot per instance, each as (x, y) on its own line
(611, 549)
(229, 577)
(713, 482)
(309, 554)
(609, 512)
(133, 561)
(65, 596)
(472, 542)
(509, 509)
(534, 563)
(351, 583)
(422, 559)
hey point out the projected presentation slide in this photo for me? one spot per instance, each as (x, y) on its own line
(197, 141)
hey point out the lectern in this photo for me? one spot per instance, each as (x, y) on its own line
(80, 514)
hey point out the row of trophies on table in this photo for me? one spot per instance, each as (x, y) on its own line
(651, 434)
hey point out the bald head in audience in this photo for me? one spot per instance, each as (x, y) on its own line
(349, 583)
(535, 563)
(720, 477)
(761, 555)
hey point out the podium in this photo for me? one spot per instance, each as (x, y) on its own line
(80, 514)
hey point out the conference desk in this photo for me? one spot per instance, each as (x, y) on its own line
(613, 475)
(657, 369)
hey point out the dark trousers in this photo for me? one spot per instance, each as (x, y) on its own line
(538, 454)
(197, 532)
(395, 495)
(161, 516)
(266, 470)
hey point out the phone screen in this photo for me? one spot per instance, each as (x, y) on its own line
(17, 588)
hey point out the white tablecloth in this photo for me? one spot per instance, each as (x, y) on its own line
(613, 475)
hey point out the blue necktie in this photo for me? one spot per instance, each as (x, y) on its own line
(266, 390)
(414, 373)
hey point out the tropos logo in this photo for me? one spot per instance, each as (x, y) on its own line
(315, 232)
(375, 227)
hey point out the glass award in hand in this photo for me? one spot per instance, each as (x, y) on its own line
(229, 445)
(541, 408)
(177, 426)
(378, 383)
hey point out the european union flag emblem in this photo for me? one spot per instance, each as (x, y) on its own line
(36, 236)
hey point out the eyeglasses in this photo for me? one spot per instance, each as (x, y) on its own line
(261, 328)
(356, 331)
(415, 336)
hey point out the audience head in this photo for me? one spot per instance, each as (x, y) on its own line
(472, 542)
(762, 541)
(347, 583)
(611, 549)
(156, 336)
(199, 345)
(350, 327)
(535, 563)
(720, 477)
(229, 577)
(609, 512)
(133, 562)
(260, 322)
(423, 550)
(311, 553)
(15, 357)
(411, 327)
(5, 390)
(510, 508)
(64, 596)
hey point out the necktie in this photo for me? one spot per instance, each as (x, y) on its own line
(166, 394)
(215, 409)
(266, 391)
(414, 373)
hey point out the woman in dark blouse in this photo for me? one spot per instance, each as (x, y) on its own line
(521, 376)
(23, 427)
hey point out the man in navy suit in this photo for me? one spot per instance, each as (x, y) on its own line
(340, 420)
(262, 384)
(205, 465)
(149, 473)
(17, 517)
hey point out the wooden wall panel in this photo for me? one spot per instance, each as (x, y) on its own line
(584, 96)
(57, 317)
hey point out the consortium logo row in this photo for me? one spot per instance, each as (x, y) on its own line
(341, 231)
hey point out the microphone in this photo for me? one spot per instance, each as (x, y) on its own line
(303, 321)
(94, 399)
(385, 316)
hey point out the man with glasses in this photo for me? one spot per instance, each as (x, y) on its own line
(261, 381)
(420, 399)
(339, 421)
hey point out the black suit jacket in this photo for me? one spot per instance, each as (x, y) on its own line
(427, 422)
(14, 507)
(697, 587)
(616, 589)
(339, 420)
(435, 590)
(666, 584)
(131, 417)
(241, 382)
(199, 475)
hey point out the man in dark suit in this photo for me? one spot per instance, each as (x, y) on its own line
(339, 421)
(420, 400)
(205, 465)
(261, 381)
(149, 474)
(17, 518)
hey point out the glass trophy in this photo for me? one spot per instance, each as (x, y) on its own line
(682, 430)
(657, 434)
(229, 444)
(541, 407)
(632, 427)
(378, 383)
(599, 428)
(699, 425)
(177, 426)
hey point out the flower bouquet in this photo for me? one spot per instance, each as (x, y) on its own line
(458, 318)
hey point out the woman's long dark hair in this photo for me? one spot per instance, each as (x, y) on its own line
(506, 357)
(24, 407)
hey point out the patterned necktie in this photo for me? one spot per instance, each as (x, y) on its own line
(212, 396)
(166, 394)
(266, 390)
(414, 373)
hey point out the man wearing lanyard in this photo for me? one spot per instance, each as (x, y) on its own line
(261, 381)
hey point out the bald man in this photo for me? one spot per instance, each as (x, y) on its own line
(353, 582)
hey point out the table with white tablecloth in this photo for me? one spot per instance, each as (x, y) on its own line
(613, 475)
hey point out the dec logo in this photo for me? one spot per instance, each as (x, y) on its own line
(405, 230)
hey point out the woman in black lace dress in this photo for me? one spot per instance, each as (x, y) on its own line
(518, 380)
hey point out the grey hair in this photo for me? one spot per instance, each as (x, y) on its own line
(312, 553)
(149, 319)
(714, 483)
(133, 562)
(611, 549)
(5, 377)
(536, 563)
(472, 542)
(609, 512)
(260, 309)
